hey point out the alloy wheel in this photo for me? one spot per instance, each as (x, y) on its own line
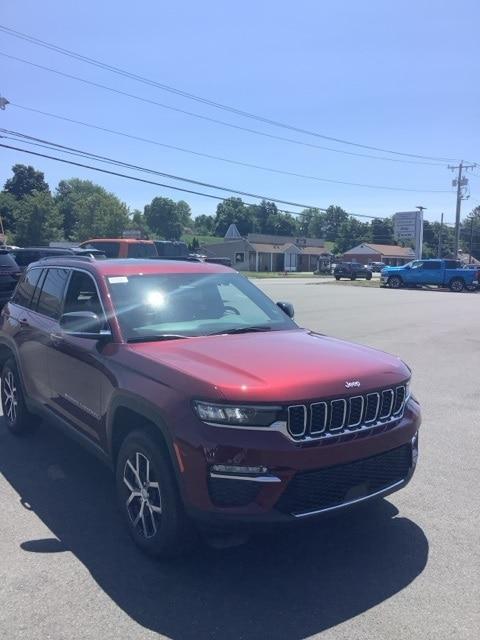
(10, 397)
(144, 502)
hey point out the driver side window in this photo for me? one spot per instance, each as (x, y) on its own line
(417, 265)
(82, 295)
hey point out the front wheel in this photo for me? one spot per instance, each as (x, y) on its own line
(148, 497)
(457, 285)
(394, 282)
(368, 276)
(337, 278)
(17, 417)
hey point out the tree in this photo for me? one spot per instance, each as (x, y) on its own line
(470, 233)
(233, 211)
(38, 220)
(334, 218)
(25, 181)
(75, 199)
(381, 231)
(264, 215)
(204, 225)
(350, 233)
(280, 224)
(8, 205)
(184, 213)
(100, 215)
(163, 218)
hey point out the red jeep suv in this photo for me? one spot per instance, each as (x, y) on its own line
(211, 405)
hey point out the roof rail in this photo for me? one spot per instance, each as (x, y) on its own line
(71, 256)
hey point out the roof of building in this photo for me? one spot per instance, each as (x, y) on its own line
(270, 238)
(387, 250)
(232, 232)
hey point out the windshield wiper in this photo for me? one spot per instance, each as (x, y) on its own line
(157, 337)
(252, 329)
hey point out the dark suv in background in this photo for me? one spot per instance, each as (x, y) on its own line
(9, 275)
(352, 271)
(211, 405)
(26, 255)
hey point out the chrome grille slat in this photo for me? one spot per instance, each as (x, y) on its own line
(344, 415)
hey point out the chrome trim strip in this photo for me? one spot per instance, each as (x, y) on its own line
(392, 400)
(305, 413)
(317, 431)
(305, 514)
(405, 399)
(352, 426)
(332, 403)
(225, 476)
(375, 419)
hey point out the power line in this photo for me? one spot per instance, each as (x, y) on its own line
(212, 103)
(207, 118)
(167, 186)
(228, 160)
(20, 137)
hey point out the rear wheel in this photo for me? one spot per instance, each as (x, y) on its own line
(353, 277)
(368, 276)
(17, 417)
(457, 285)
(394, 282)
(149, 499)
(337, 278)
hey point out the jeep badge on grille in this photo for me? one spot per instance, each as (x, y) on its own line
(350, 384)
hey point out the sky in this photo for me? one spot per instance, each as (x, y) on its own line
(397, 76)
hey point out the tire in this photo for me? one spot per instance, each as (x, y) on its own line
(353, 277)
(154, 514)
(368, 276)
(457, 285)
(394, 282)
(18, 419)
(337, 278)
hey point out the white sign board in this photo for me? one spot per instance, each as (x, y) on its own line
(408, 225)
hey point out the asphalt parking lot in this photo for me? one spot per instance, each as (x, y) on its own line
(406, 567)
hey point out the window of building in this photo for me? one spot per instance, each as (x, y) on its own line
(240, 257)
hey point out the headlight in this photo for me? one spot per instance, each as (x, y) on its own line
(237, 415)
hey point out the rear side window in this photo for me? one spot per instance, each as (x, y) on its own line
(433, 265)
(6, 260)
(26, 287)
(51, 296)
(141, 250)
(110, 249)
(453, 264)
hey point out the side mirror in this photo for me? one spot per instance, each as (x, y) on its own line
(287, 307)
(83, 324)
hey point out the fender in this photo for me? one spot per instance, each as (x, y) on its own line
(125, 400)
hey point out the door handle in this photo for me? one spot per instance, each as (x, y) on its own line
(23, 322)
(56, 337)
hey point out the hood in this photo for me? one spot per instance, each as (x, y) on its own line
(281, 366)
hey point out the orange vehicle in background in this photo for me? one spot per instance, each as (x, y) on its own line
(122, 247)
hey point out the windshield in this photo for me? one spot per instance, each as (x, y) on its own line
(192, 304)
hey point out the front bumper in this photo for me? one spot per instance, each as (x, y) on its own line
(300, 480)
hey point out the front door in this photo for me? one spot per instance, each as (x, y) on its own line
(78, 376)
(290, 261)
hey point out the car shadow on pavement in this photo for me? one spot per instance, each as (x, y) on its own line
(287, 584)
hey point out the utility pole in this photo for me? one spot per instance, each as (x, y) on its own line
(471, 242)
(460, 182)
(440, 237)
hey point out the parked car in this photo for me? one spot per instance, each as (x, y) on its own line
(376, 267)
(203, 395)
(24, 256)
(9, 275)
(352, 271)
(440, 273)
(122, 247)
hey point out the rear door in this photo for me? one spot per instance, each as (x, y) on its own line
(36, 323)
